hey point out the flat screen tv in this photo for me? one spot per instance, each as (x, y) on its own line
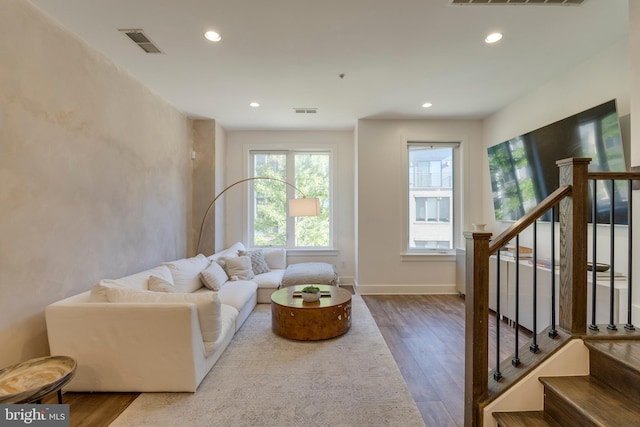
(524, 171)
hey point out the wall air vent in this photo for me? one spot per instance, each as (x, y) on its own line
(516, 2)
(140, 38)
(305, 110)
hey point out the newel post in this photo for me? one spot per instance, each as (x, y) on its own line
(476, 326)
(573, 245)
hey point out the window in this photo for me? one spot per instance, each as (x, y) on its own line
(433, 209)
(310, 172)
(430, 196)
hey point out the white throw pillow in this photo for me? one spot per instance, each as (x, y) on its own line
(239, 268)
(186, 272)
(207, 304)
(157, 284)
(214, 276)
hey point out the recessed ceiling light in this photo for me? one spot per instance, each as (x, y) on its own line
(493, 37)
(213, 36)
(254, 104)
(427, 105)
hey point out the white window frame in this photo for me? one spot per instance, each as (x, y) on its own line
(329, 149)
(411, 254)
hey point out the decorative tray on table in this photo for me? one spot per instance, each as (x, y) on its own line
(298, 294)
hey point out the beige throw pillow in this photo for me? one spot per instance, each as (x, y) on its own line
(156, 284)
(239, 268)
(214, 276)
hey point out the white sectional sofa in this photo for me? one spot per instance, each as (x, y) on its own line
(160, 329)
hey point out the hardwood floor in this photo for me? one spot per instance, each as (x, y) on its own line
(425, 334)
(94, 409)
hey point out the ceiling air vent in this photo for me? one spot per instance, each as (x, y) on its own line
(141, 39)
(305, 110)
(516, 2)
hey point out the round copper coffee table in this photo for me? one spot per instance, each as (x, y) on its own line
(293, 318)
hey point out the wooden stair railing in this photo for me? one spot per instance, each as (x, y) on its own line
(572, 197)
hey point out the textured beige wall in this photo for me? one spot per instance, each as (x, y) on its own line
(94, 174)
(203, 190)
(220, 165)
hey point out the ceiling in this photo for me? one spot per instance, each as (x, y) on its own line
(394, 55)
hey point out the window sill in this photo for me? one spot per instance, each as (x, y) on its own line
(311, 252)
(435, 256)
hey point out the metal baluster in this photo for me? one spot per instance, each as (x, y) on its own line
(534, 344)
(612, 326)
(497, 375)
(629, 326)
(516, 359)
(553, 331)
(594, 215)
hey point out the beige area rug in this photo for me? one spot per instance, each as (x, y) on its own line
(265, 380)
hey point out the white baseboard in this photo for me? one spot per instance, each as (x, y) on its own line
(346, 280)
(406, 289)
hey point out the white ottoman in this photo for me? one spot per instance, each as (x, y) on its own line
(316, 273)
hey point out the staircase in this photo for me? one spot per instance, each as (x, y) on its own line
(609, 396)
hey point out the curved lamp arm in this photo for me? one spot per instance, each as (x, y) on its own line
(213, 202)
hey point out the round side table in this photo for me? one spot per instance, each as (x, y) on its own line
(30, 381)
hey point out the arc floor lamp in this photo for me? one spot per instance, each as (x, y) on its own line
(305, 206)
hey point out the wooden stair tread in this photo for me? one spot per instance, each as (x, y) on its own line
(594, 399)
(626, 352)
(524, 419)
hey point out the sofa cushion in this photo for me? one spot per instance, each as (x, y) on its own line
(236, 247)
(276, 258)
(238, 268)
(134, 281)
(156, 284)
(207, 304)
(186, 272)
(214, 276)
(258, 263)
(237, 294)
(270, 280)
(231, 251)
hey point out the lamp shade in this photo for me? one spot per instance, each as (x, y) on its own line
(304, 207)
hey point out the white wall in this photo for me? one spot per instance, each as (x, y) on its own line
(600, 79)
(237, 142)
(94, 173)
(382, 267)
(604, 77)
